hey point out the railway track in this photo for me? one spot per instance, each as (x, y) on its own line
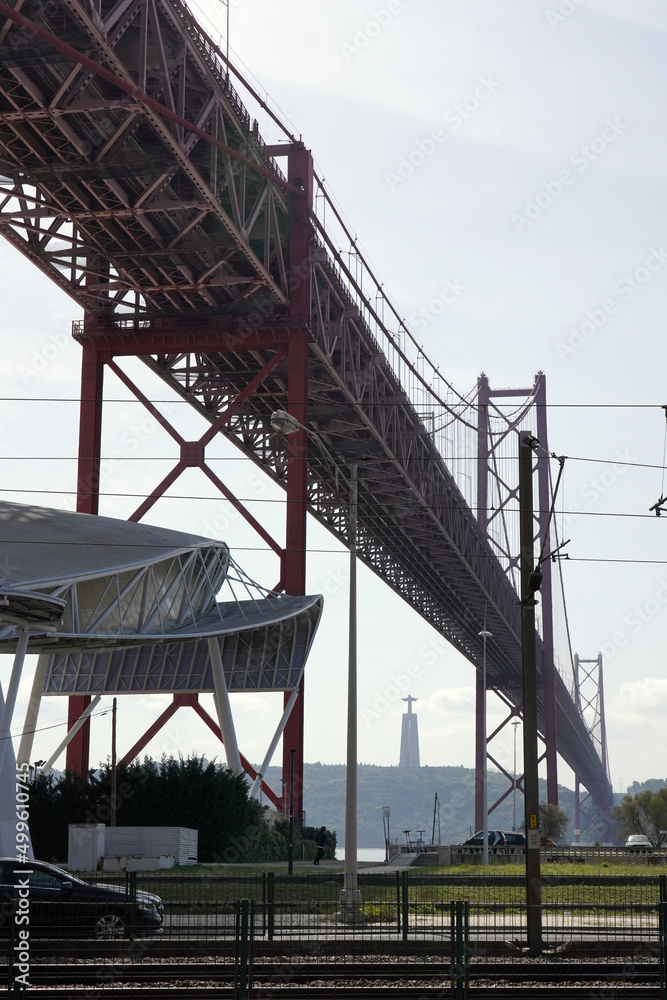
(395, 979)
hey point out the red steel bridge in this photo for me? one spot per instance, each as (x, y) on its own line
(133, 176)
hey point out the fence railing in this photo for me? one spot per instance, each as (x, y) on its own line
(461, 853)
(256, 931)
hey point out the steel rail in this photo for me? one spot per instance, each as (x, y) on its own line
(362, 978)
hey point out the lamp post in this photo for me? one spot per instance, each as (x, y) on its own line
(350, 897)
(514, 724)
(290, 846)
(114, 774)
(485, 803)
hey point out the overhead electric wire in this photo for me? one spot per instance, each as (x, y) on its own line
(632, 562)
(476, 556)
(465, 404)
(445, 460)
(53, 725)
(334, 503)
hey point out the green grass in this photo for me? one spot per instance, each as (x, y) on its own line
(200, 888)
(573, 868)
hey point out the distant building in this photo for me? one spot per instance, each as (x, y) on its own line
(409, 737)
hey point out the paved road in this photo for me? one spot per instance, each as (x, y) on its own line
(556, 927)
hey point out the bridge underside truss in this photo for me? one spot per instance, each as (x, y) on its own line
(125, 211)
(191, 250)
(415, 529)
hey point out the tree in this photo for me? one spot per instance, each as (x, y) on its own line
(304, 843)
(171, 792)
(553, 821)
(645, 812)
(653, 784)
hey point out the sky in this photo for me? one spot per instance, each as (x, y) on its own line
(514, 153)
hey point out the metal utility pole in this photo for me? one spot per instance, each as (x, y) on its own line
(530, 581)
(350, 897)
(436, 814)
(114, 776)
(514, 725)
(386, 813)
(290, 846)
(485, 769)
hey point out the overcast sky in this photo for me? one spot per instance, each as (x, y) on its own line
(514, 152)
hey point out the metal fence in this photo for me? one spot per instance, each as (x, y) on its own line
(456, 934)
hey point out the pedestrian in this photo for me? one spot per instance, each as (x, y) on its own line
(320, 840)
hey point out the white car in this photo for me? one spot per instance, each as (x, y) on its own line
(638, 840)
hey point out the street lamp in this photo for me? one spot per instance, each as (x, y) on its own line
(285, 423)
(290, 846)
(485, 804)
(350, 897)
(514, 724)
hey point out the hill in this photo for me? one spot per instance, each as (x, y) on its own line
(410, 793)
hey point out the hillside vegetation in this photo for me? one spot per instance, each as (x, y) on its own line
(409, 792)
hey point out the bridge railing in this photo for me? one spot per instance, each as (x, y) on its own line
(216, 61)
(448, 416)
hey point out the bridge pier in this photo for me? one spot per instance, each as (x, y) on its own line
(281, 338)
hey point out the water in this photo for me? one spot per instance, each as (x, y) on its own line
(363, 854)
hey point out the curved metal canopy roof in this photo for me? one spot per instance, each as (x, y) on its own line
(43, 548)
(139, 606)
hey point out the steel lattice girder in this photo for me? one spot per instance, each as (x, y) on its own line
(118, 206)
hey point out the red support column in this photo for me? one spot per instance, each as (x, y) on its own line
(294, 568)
(300, 173)
(87, 502)
(90, 430)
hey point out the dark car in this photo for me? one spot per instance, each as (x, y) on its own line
(496, 838)
(515, 839)
(49, 902)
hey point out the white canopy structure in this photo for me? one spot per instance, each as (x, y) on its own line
(117, 607)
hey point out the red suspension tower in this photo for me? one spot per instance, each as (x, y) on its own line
(497, 491)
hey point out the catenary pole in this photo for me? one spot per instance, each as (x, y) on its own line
(529, 584)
